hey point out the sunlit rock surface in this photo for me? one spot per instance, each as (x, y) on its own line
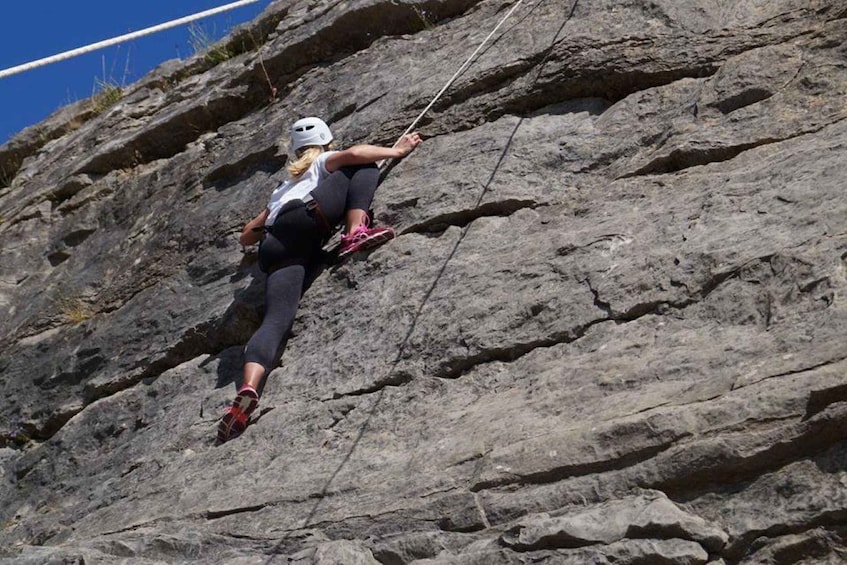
(611, 328)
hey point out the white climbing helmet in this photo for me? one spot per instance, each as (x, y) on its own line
(309, 131)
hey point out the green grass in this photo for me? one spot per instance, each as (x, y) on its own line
(12, 435)
(74, 310)
(426, 19)
(106, 90)
(107, 93)
(202, 41)
(5, 178)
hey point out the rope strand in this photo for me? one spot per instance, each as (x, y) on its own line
(121, 38)
(462, 69)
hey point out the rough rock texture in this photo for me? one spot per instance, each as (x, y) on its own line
(611, 330)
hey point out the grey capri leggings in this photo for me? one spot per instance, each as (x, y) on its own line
(293, 247)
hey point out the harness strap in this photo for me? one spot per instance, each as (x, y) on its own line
(314, 210)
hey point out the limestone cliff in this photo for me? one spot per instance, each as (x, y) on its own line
(611, 329)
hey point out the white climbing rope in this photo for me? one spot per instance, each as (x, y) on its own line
(121, 38)
(462, 69)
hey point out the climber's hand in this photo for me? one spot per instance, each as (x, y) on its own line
(408, 143)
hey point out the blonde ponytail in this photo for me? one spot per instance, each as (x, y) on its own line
(304, 158)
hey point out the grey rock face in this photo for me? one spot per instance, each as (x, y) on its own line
(610, 330)
(651, 516)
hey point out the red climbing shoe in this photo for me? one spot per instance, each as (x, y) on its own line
(234, 421)
(363, 238)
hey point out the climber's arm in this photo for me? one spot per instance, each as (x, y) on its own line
(252, 232)
(364, 154)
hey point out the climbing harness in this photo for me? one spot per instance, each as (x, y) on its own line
(313, 209)
(121, 38)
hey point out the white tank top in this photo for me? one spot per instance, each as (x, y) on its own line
(298, 189)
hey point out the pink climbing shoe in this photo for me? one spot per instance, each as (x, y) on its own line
(363, 238)
(234, 422)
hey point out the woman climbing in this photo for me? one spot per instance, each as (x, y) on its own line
(324, 187)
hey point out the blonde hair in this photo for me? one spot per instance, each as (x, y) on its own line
(305, 156)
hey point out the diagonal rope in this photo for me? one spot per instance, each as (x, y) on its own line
(426, 298)
(462, 69)
(120, 39)
(458, 73)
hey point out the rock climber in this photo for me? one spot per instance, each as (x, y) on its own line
(323, 187)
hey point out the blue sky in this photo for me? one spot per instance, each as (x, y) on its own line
(35, 29)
